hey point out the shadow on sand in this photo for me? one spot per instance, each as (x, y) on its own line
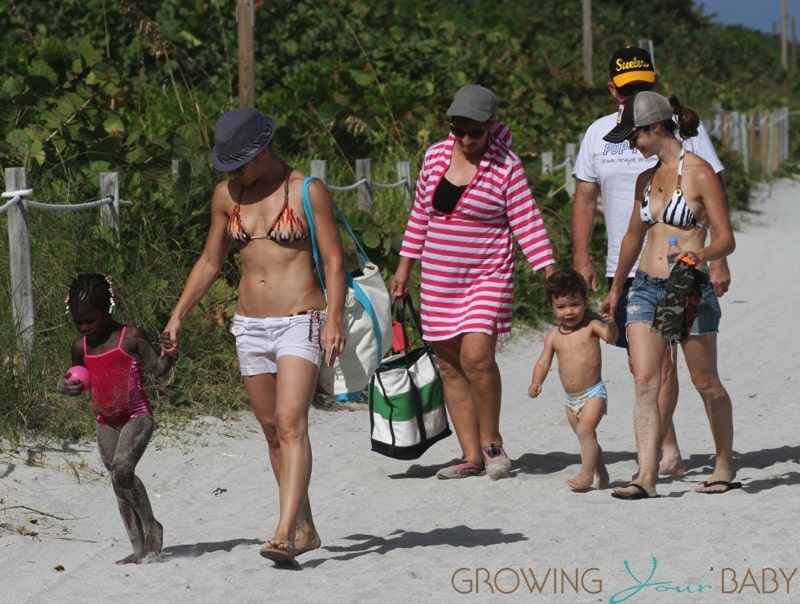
(457, 536)
(195, 550)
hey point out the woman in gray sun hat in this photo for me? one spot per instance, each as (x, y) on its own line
(472, 196)
(679, 197)
(283, 323)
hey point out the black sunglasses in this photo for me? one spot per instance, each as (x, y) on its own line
(460, 132)
(636, 132)
(239, 172)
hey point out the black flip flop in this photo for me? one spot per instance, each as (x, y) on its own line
(729, 486)
(641, 493)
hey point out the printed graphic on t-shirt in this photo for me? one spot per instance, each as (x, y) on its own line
(619, 158)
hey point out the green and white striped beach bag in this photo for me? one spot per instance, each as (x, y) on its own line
(406, 403)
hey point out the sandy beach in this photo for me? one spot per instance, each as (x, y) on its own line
(392, 532)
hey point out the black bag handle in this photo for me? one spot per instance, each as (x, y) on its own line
(376, 385)
(400, 316)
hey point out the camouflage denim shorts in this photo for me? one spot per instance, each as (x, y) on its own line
(646, 291)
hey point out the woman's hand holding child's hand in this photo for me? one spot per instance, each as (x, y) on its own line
(168, 348)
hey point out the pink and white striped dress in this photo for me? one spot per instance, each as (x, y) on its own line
(467, 257)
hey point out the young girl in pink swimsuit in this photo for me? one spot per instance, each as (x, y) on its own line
(114, 354)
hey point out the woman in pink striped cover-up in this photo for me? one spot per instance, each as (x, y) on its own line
(472, 194)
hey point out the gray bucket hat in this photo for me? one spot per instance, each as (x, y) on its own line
(239, 136)
(473, 102)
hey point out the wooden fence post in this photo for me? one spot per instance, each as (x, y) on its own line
(741, 125)
(404, 173)
(647, 44)
(763, 128)
(319, 168)
(109, 212)
(19, 244)
(364, 170)
(716, 128)
(726, 132)
(736, 143)
(772, 128)
(784, 125)
(779, 136)
(547, 162)
(752, 132)
(569, 163)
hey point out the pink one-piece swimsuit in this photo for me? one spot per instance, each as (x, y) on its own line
(116, 385)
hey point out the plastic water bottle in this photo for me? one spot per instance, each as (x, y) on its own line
(673, 251)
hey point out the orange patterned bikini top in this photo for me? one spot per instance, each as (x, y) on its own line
(287, 227)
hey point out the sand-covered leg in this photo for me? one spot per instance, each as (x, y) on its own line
(121, 451)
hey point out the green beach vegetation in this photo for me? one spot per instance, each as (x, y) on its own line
(90, 86)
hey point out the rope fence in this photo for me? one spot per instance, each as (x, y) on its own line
(364, 184)
(760, 137)
(18, 209)
(549, 169)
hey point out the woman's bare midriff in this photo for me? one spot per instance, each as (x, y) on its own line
(276, 281)
(654, 256)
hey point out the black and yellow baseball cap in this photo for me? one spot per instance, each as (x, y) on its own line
(631, 65)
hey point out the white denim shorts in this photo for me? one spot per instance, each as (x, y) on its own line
(261, 342)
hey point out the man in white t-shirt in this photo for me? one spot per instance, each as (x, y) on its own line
(609, 171)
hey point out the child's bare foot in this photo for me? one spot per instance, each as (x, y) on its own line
(580, 482)
(132, 559)
(151, 552)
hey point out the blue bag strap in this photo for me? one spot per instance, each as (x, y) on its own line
(361, 296)
(312, 229)
(341, 218)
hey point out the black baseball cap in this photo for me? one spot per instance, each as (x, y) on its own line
(641, 109)
(631, 65)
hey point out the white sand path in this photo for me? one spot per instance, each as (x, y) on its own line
(393, 533)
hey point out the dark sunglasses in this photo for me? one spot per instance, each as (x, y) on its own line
(636, 132)
(239, 172)
(460, 132)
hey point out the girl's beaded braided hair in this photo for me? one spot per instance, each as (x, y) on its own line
(93, 288)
